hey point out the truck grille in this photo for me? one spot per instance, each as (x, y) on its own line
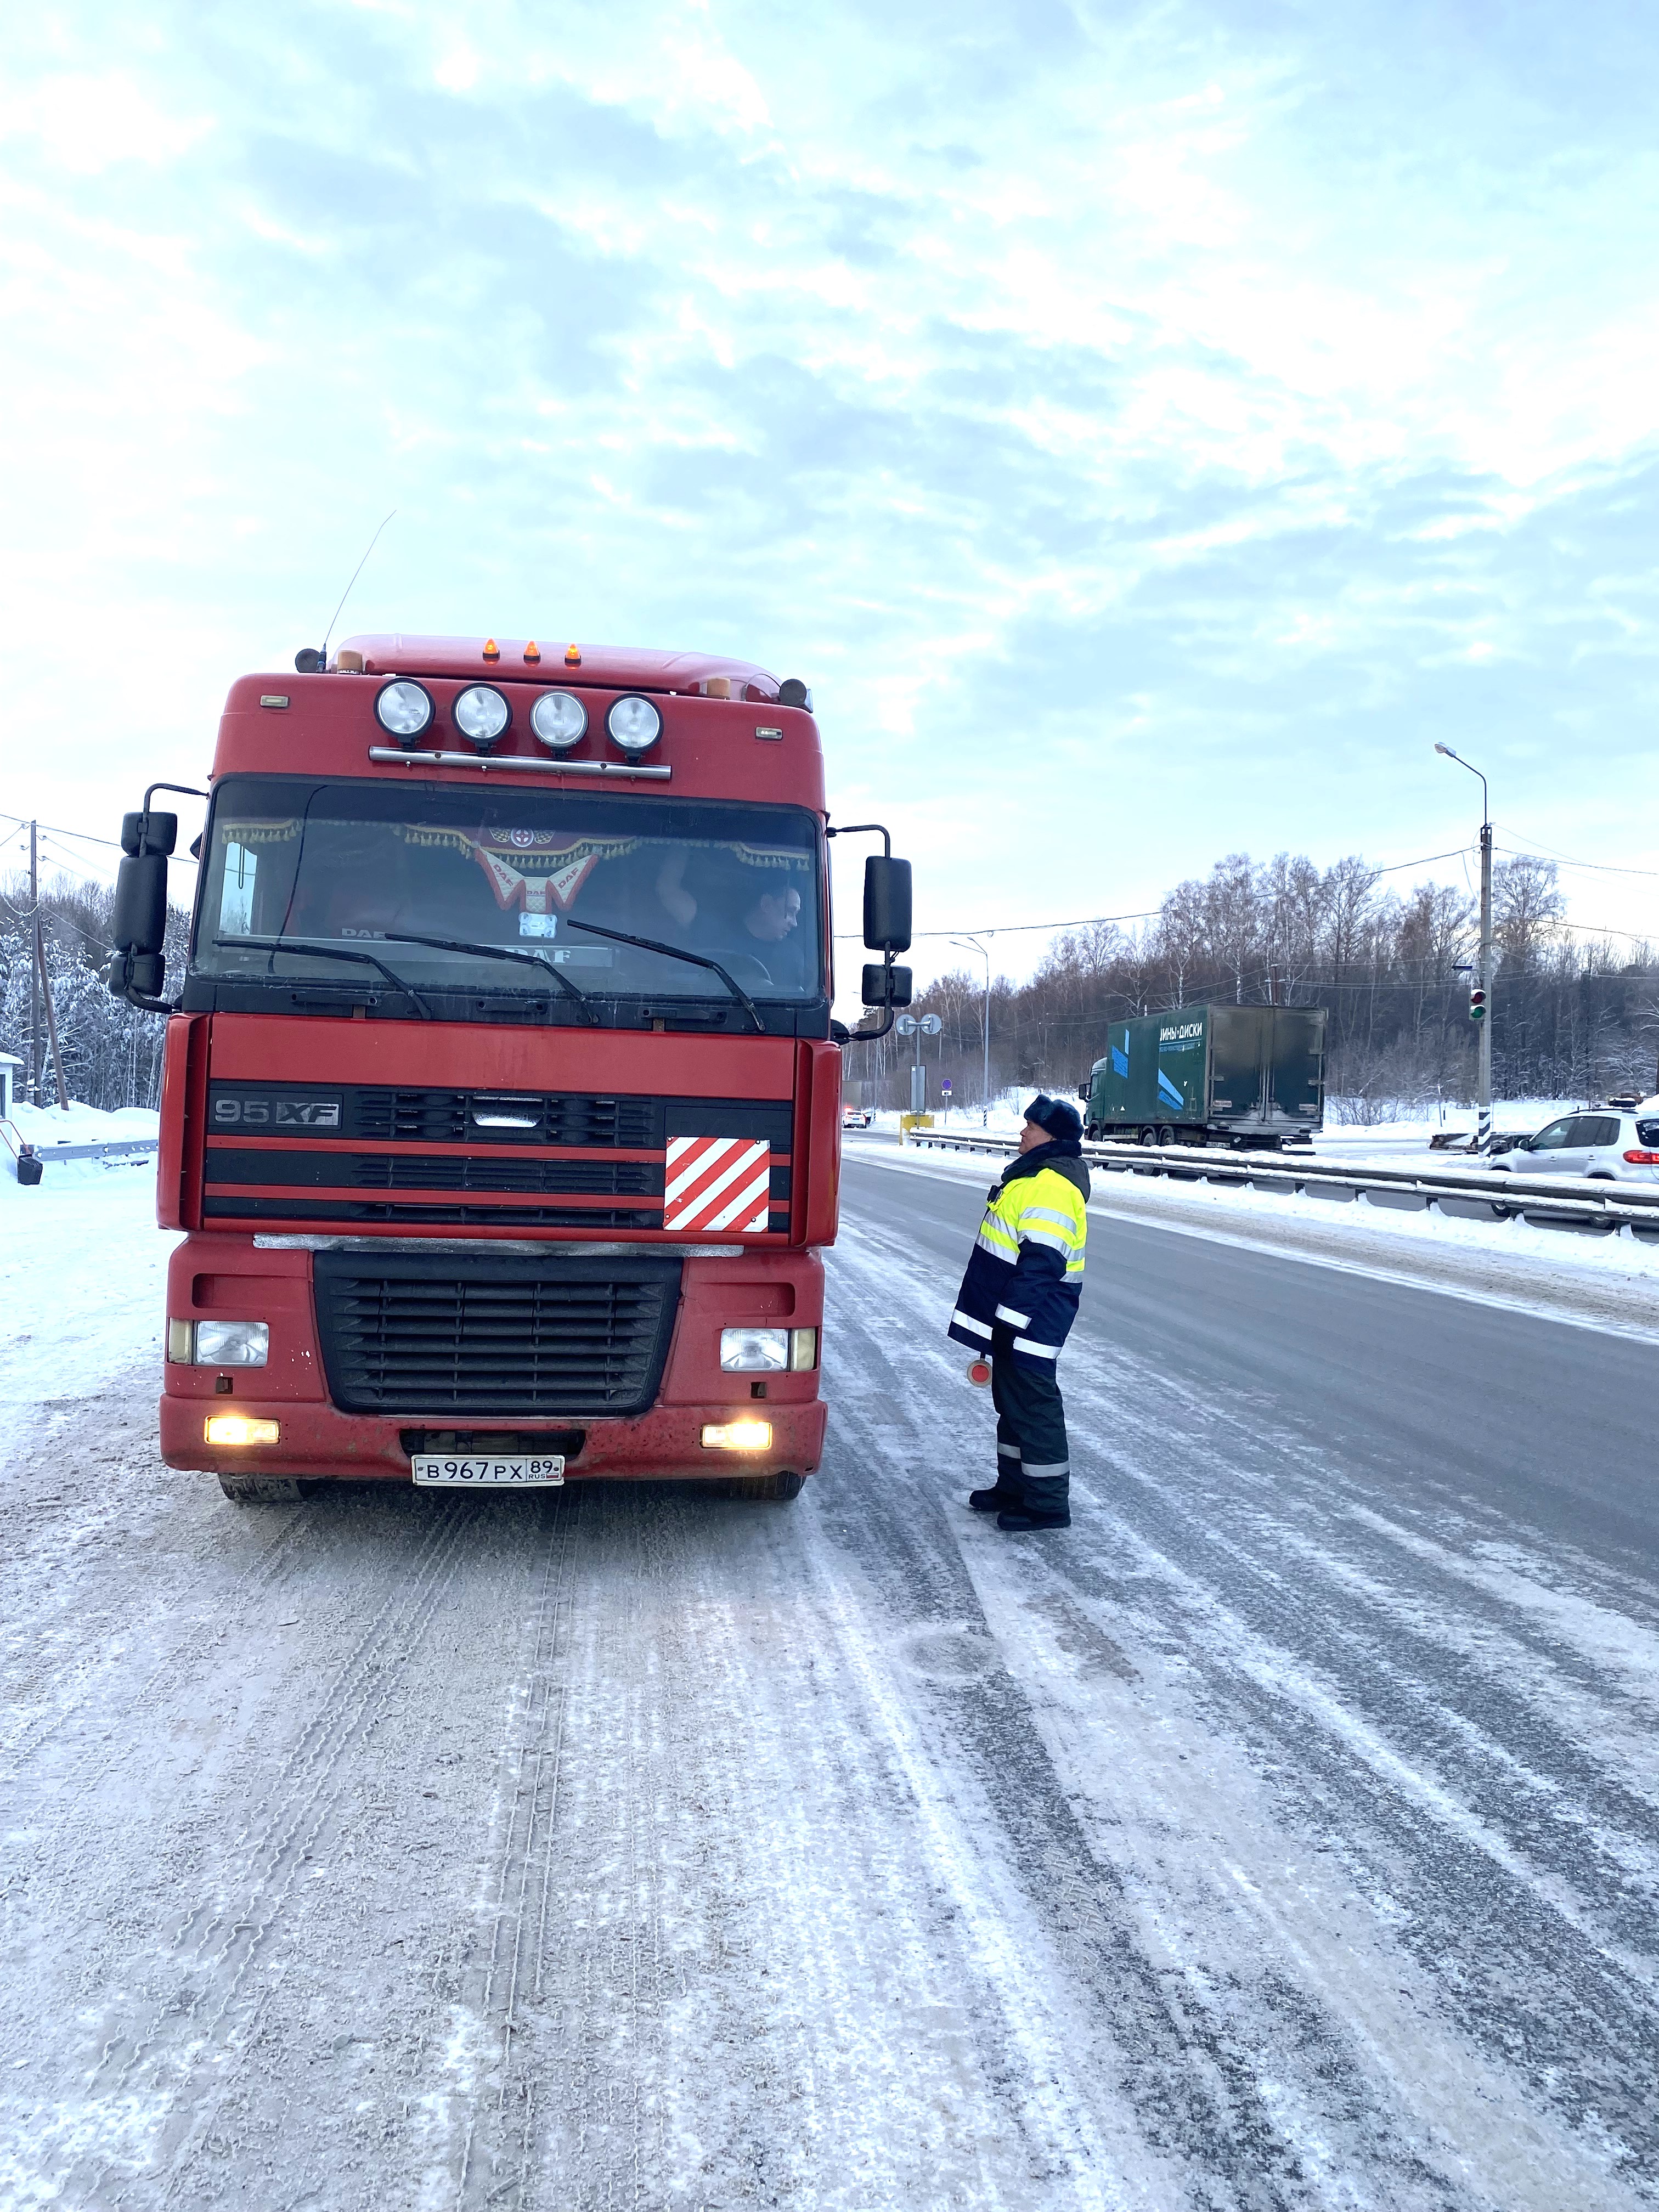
(508, 1336)
(304, 1169)
(455, 1117)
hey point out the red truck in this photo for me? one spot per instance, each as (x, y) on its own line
(501, 1099)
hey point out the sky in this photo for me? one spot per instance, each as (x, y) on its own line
(1148, 427)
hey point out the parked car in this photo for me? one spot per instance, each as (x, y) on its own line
(856, 1117)
(1610, 1144)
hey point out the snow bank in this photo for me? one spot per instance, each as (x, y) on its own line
(46, 1126)
(82, 1280)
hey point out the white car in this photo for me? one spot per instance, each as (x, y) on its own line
(856, 1117)
(1610, 1144)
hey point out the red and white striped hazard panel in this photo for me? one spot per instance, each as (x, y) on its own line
(717, 1182)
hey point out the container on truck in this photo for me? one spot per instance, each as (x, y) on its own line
(1251, 1075)
(501, 1098)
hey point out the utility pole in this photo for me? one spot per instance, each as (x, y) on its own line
(973, 943)
(1483, 1080)
(1487, 962)
(36, 1069)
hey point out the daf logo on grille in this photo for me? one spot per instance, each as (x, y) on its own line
(275, 1113)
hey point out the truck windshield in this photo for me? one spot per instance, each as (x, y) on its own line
(358, 864)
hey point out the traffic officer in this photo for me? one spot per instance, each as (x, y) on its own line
(1018, 1301)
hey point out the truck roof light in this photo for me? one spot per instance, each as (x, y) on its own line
(404, 708)
(481, 713)
(634, 724)
(573, 656)
(492, 651)
(558, 719)
(532, 652)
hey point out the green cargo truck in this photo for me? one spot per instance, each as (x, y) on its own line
(1253, 1074)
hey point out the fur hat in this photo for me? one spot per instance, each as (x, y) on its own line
(1056, 1116)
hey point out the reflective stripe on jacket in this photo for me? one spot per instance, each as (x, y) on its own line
(1026, 1269)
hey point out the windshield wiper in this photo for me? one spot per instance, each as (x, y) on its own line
(673, 952)
(326, 952)
(500, 953)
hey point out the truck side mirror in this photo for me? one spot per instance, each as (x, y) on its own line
(887, 906)
(886, 987)
(140, 922)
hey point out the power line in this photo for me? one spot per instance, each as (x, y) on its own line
(1600, 867)
(1012, 928)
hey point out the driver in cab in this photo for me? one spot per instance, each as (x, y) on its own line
(752, 927)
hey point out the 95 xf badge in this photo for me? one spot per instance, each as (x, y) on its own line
(242, 1110)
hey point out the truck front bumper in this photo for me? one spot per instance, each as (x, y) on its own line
(664, 1444)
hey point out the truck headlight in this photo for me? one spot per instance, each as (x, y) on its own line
(769, 1351)
(755, 1351)
(218, 1343)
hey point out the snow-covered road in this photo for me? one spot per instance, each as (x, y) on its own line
(1283, 1836)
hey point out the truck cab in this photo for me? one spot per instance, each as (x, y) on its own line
(502, 1098)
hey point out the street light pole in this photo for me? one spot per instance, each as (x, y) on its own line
(972, 944)
(1485, 965)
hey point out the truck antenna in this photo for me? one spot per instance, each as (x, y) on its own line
(346, 594)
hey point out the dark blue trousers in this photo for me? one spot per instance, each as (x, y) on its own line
(1033, 1460)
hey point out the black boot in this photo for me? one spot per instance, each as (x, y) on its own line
(995, 1500)
(1019, 1522)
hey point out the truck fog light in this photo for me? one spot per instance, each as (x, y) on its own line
(635, 723)
(481, 713)
(803, 1350)
(558, 719)
(405, 709)
(238, 1428)
(232, 1343)
(755, 1351)
(729, 1435)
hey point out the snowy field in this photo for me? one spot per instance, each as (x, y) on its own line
(1286, 1837)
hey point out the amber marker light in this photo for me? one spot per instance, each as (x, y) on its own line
(732, 1435)
(238, 1428)
(573, 656)
(492, 651)
(532, 652)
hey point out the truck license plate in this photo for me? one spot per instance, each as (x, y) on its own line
(502, 1470)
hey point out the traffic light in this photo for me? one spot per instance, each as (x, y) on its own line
(1478, 1002)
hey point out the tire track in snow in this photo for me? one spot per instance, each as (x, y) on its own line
(1204, 2099)
(1203, 1521)
(207, 2007)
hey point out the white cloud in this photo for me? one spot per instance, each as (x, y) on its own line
(1090, 402)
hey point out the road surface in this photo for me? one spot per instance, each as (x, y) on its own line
(1285, 1835)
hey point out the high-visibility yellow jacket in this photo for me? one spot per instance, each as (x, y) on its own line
(1025, 1274)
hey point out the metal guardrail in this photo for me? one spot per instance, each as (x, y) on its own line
(107, 1148)
(1505, 1194)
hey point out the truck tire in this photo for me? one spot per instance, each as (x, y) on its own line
(1149, 1135)
(1166, 1135)
(259, 1489)
(780, 1488)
